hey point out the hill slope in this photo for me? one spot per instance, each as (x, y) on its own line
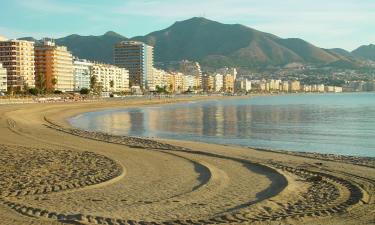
(213, 44)
(365, 52)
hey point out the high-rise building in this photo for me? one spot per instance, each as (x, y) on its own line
(208, 83)
(193, 69)
(160, 78)
(228, 83)
(189, 82)
(295, 86)
(285, 86)
(138, 59)
(3, 79)
(110, 78)
(53, 66)
(218, 85)
(81, 73)
(226, 70)
(242, 84)
(18, 58)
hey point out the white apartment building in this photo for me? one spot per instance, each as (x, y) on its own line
(159, 78)
(81, 73)
(285, 86)
(218, 84)
(3, 79)
(111, 78)
(189, 82)
(242, 84)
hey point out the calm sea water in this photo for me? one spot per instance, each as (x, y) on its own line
(326, 123)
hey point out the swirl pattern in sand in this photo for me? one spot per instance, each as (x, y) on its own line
(26, 171)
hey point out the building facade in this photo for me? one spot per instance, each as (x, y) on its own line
(53, 67)
(295, 86)
(110, 78)
(17, 58)
(81, 74)
(192, 69)
(138, 59)
(242, 84)
(208, 83)
(189, 83)
(218, 86)
(228, 83)
(3, 79)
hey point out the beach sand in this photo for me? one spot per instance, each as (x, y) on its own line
(52, 173)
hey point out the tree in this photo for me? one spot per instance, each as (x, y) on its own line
(111, 84)
(54, 82)
(33, 91)
(93, 84)
(84, 91)
(41, 82)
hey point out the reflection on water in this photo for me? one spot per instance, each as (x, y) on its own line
(341, 124)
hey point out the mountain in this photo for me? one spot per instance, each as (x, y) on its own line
(96, 48)
(213, 44)
(365, 52)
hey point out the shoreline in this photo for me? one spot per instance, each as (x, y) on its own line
(190, 181)
(367, 161)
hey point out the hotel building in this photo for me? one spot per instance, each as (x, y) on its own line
(17, 58)
(3, 79)
(53, 67)
(81, 74)
(111, 78)
(138, 59)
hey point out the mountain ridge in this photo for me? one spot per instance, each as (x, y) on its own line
(215, 44)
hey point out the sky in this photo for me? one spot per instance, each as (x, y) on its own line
(344, 24)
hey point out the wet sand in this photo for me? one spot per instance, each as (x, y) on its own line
(55, 174)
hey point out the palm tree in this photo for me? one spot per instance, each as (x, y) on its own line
(41, 81)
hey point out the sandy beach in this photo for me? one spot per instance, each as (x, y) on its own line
(52, 173)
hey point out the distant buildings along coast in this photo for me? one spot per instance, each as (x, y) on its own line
(50, 67)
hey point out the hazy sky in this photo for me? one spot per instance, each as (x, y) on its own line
(325, 23)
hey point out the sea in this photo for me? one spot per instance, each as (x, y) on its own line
(339, 123)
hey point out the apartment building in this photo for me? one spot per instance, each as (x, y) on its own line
(228, 83)
(53, 67)
(81, 73)
(218, 85)
(193, 69)
(295, 86)
(284, 86)
(110, 78)
(17, 57)
(189, 83)
(3, 79)
(138, 59)
(242, 84)
(208, 83)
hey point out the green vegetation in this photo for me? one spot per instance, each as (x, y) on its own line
(84, 91)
